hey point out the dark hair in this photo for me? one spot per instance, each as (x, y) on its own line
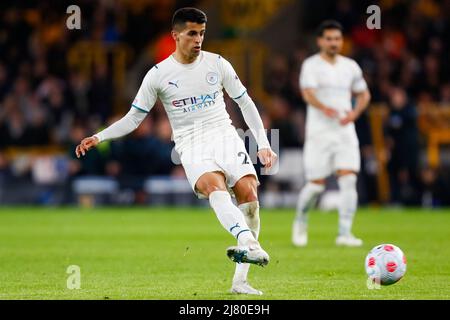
(188, 14)
(327, 25)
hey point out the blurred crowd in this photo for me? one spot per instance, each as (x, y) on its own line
(46, 102)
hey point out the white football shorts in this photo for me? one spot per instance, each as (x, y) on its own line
(324, 155)
(226, 154)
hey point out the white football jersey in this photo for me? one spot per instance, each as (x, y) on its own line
(192, 95)
(333, 84)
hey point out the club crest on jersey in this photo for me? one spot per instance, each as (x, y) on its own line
(212, 78)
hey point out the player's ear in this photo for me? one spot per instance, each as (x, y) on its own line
(175, 35)
(318, 42)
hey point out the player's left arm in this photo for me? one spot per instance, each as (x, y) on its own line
(255, 124)
(362, 97)
(238, 93)
(361, 104)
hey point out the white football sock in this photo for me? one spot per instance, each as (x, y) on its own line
(348, 202)
(306, 200)
(230, 217)
(251, 215)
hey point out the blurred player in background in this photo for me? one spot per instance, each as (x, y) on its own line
(190, 85)
(327, 82)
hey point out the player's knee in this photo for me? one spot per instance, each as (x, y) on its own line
(347, 181)
(343, 172)
(210, 182)
(249, 196)
(246, 190)
(318, 182)
(207, 189)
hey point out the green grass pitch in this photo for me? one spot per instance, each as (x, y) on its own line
(179, 253)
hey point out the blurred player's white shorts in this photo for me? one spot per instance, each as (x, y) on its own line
(324, 155)
(225, 153)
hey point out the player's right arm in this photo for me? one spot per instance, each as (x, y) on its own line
(308, 85)
(310, 97)
(118, 129)
(141, 106)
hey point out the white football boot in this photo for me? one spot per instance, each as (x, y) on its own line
(252, 253)
(299, 234)
(348, 241)
(242, 287)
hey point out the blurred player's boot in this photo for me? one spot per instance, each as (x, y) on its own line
(299, 234)
(348, 241)
(252, 253)
(243, 287)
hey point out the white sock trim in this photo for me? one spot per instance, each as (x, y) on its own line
(315, 187)
(347, 181)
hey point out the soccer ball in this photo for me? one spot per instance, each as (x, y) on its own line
(385, 264)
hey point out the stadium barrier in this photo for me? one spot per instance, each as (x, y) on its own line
(94, 190)
(166, 190)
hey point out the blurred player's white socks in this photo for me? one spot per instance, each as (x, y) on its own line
(306, 199)
(251, 215)
(231, 217)
(348, 203)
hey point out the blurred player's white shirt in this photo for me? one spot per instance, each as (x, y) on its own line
(333, 84)
(192, 95)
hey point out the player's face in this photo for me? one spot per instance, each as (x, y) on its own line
(331, 42)
(189, 40)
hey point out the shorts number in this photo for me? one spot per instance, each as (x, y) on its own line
(245, 157)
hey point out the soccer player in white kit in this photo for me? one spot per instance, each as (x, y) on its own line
(327, 82)
(190, 85)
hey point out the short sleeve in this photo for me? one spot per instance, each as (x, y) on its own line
(358, 83)
(148, 93)
(307, 78)
(230, 81)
